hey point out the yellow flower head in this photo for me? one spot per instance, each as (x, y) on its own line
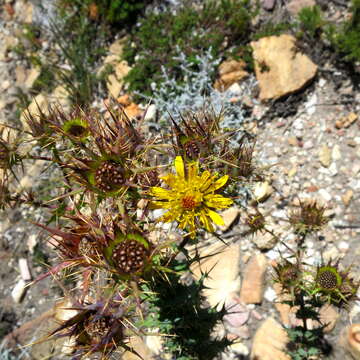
(191, 197)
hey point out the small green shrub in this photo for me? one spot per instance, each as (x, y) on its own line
(117, 13)
(311, 20)
(347, 39)
(270, 29)
(217, 25)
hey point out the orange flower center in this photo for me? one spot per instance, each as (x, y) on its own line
(188, 202)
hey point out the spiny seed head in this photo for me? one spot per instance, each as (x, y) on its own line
(287, 274)
(256, 221)
(129, 256)
(109, 176)
(328, 279)
(338, 286)
(98, 328)
(310, 217)
(192, 149)
(149, 178)
(88, 248)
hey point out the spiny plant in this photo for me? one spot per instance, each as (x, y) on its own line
(307, 288)
(128, 282)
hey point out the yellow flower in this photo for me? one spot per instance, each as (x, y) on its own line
(191, 197)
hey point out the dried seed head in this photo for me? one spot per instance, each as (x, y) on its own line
(310, 217)
(149, 178)
(256, 221)
(192, 149)
(287, 274)
(88, 248)
(109, 176)
(129, 256)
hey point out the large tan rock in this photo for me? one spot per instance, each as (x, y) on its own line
(222, 264)
(280, 68)
(269, 342)
(230, 72)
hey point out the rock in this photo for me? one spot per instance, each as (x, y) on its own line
(350, 340)
(137, 344)
(325, 195)
(237, 315)
(268, 4)
(150, 114)
(20, 74)
(265, 240)
(346, 198)
(270, 342)
(235, 89)
(222, 263)
(328, 316)
(18, 291)
(270, 294)
(116, 48)
(116, 81)
(229, 216)
(240, 349)
(287, 313)
(124, 100)
(325, 156)
(25, 333)
(133, 110)
(32, 75)
(33, 173)
(40, 101)
(252, 288)
(346, 121)
(336, 153)
(60, 97)
(32, 241)
(262, 190)
(295, 6)
(24, 12)
(280, 69)
(230, 72)
(154, 343)
(24, 270)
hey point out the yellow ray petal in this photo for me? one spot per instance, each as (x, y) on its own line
(217, 201)
(169, 179)
(218, 184)
(215, 217)
(205, 221)
(179, 167)
(160, 193)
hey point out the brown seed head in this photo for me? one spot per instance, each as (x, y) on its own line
(109, 176)
(129, 256)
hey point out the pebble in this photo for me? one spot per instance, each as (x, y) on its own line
(270, 294)
(262, 191)
(346, 198)
(18, 291)
(24, 269)
(229, 216)
(325, 156)
(270, 342)
(343, 246)
(325, 195)
(150, 113)
(253, 282)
